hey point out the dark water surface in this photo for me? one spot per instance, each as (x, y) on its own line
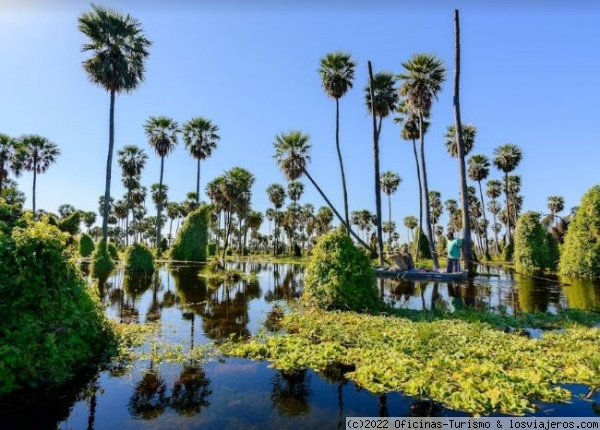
(242, 394)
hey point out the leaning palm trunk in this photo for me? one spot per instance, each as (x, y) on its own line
(426, 194)
(460, 146)
(337, 214)
(339, 152)
(420, 199)
(111, 144)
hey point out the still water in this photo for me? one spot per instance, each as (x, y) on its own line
(242, 394)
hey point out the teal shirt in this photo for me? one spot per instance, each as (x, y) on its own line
(454, 248)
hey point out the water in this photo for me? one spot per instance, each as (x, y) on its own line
(238, 393)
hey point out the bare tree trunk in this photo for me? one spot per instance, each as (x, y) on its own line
(339, 152)
(426, 194)
(420, 200)
(487, 248)
(159, 205)
(460, 145)
(111, 144)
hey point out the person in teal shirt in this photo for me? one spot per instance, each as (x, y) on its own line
(454, 251)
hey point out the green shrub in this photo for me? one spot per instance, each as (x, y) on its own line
(424, 251)
(508, 251)
(212, 249)
(10, 215)
(340, 276)
(86, 245)
(70, 224)
(139, 259)
(532, 249)
(102, 263)
(51, 324)
(113, 251)
(580, 253)
(192, 238)
(441, 245)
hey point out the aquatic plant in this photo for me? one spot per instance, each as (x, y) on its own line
(192, 239)
(86, 245)
(102, 263)
(139, 259)
(532, 245)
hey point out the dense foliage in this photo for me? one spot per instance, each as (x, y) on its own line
(340, 275)
(86, 245)
(70, 224)
(533, 245)
(102, 263)
(424, 251)
(580, 255)
(466, 366)
(139, 260)
(50, 324)
(192, 239)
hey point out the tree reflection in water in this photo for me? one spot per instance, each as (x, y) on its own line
(291, 392)
(149, 398)
(191, 391)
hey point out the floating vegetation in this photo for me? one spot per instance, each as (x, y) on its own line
(215, 271)
(468, 366)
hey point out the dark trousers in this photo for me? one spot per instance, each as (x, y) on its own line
(453, 265)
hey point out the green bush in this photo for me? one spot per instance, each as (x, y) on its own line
(70, 224)
(86, 245)
(113, 251)
(192, 239)
(212, 249)
(51, 324)
(102, 263)
(10, 216)
(340, 276)
(580, 253)
(139, 259)
(508, 251)
(532, 248)
(424, 251)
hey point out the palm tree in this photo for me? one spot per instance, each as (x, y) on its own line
(337, 73)
(295, 189)
(35, 154)
(292, 156)
(469, 132)
(555, 204)
(276, 195)
(423, 78)
(132, 161)
(410, 222)
(506, 158)
(119, 51)
(479, 169)
(7, 156)
(381, 99)
(389, 185)
(162, 136)
(200, 138)
(173, 211)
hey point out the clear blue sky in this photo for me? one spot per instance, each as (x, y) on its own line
(529, 77)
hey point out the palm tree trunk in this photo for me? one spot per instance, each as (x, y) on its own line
(487, 248)
(159, 205)
(420, 199)
(426, 195)
(376, 159)
(275, 235)
(111, 144)
(337, 214)
(3, 174)
(34, 181)
(339, 152)
(198, 184)
(460, 145)
(171, 232)
(508, 236)
(390, 219)
(496, 234)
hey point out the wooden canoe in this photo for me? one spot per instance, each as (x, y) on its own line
(420, 274)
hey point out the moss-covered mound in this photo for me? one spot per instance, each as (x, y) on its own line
(50, 322)
(580, 256)
(139, 260)
(535, 249)
(340, 276)
(102, 263)
(192, 239)
(86, 245)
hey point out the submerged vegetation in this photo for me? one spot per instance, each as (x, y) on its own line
(471, 367)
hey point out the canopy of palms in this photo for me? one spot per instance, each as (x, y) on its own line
(162, 136)
(119, 50)
(469, 132)
(132, 161)
(422, 81)
(337, 73)
(200, 138)
(276, 194)
(556, 204)
(35, 154)
(506, 158)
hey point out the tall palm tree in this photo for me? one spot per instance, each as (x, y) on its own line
(410, 222)
(381, 99)
(479, 169)
(292, 156)
(35, 154)
(276, 194)
(389, 185)
(469, 132)
(423, 78)
(132, 161)
(119, 51)
(295, 189)
(173, 211)
(7, 156)
(556, 204)
(506, 158)
(493, 191)
(200, 138)
(162, 136)
(337, 73)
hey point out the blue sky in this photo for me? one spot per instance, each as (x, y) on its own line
(529, 77)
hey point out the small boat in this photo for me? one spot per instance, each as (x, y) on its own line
(420, 274)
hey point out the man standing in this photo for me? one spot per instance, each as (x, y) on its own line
(453, 248)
